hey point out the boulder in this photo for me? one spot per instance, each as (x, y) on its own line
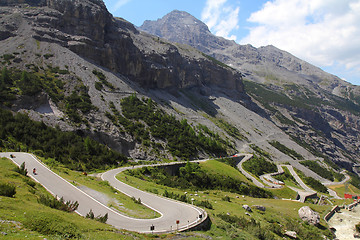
(309, 216)
(260, 208)
(291, 234)
(247, 208)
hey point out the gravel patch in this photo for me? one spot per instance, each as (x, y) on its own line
(344, 222)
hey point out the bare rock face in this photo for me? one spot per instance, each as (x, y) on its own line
(308, 215)
(88, 29)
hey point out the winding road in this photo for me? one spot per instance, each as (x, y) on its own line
(175, 216)
(303, 193)
(171, 211)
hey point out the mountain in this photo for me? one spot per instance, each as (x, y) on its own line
(71, 73)
(318, 109)
(72, 65)
(77, 51)
(257, 64)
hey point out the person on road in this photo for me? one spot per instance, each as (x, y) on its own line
(34, 171)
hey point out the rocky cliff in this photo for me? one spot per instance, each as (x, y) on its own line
(88, 29)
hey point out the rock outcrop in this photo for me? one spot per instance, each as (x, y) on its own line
(88, 29)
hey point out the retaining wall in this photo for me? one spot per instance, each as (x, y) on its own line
(331, 213)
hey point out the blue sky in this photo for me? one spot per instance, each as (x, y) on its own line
(325, 33)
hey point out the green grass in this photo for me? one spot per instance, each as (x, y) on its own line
(340, 189)
(25, 218)
(284, 193)
(287, 178)
(128, 207)
(36, 221)
(280, 212)
(216, 167)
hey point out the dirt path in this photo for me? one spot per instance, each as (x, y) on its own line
(344, 222)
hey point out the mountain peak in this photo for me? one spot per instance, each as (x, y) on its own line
(178, 20)
(182, 27)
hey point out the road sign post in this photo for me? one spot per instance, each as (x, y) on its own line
(152, 228)
(177, 224)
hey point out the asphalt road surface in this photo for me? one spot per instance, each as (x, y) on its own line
(171, 211)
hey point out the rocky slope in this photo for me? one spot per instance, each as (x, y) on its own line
(317, 109)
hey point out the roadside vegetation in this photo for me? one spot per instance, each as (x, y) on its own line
(312, 182)
(112, 197)
(24, 216)
(286, 177)
(193, 177)
(229, 220)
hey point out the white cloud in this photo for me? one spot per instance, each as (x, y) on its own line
(221, 18)
(119, 4)
(323, 32)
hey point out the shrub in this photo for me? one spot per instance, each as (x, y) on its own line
(22, 170)
(99, 218)
(99, 86)
(61, 204)
(321, 171)
(204, 203)
(51, 224)
(137, 201)
(7, 190)
(8, 57)
(29, 182)
(102, 219)
(259, 166)
(102, 78)
(290, 152)
(48, 55)
(226, 199)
